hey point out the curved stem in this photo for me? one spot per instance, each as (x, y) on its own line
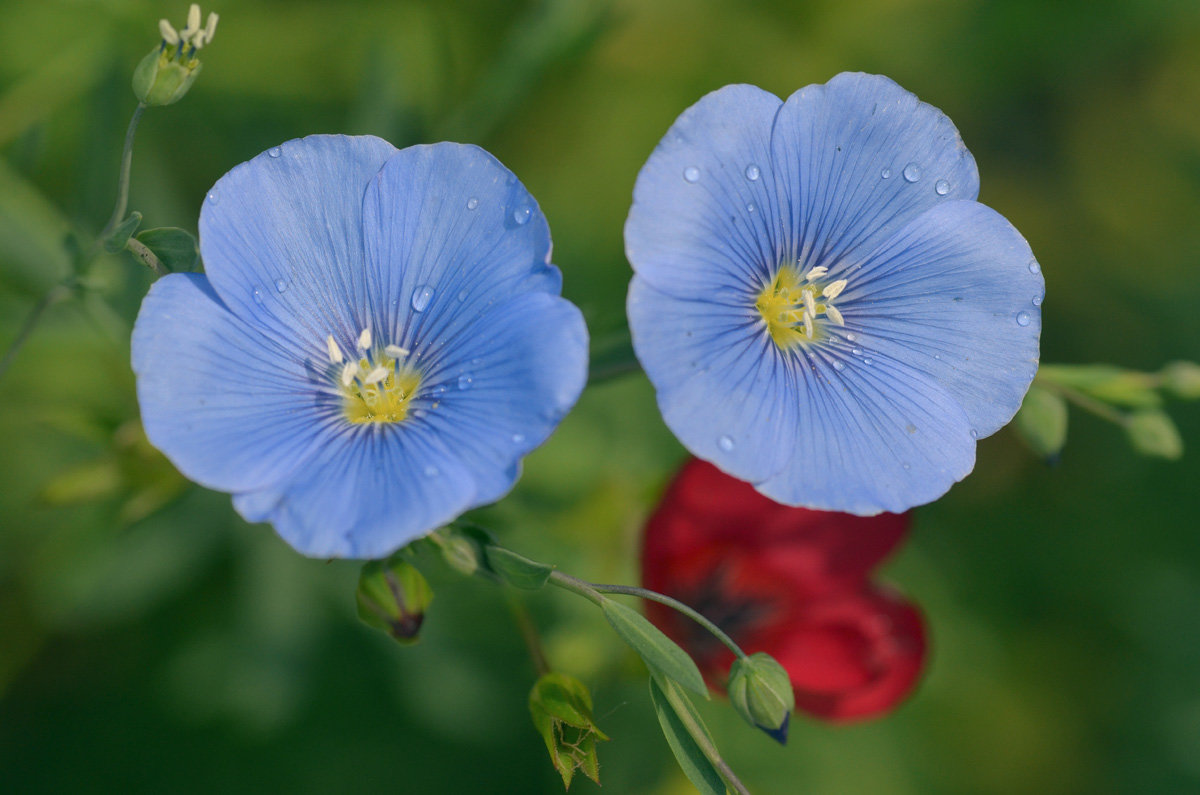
(576, 586)
(53, 296)
(148, 257)
(653, 596)
(126, 166)
(528, 632)
(1085, 402)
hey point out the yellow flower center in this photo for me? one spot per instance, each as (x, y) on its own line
(377, 385)
(792, 304)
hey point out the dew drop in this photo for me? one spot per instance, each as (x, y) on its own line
(421, 297)
(213, 197)
(886, 173)
(837, 365)
(521, 215)
(431, 471)
(691, 173)
(1034, 267)
(462, 296)
(907, 466)
(464, 381)
(868, 360)
(974, 434)
(912, 172)
(850, 337)
(281, 285)
(1023, 318)
(856, 351)
(725, 443)
(941, 187)
(1037, 300)
(274, 151)
(750, 207)
(752, 172)
(518, 438)
(472, 203)
(257, 295)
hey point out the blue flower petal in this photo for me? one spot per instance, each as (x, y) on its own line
(233, 409)
(705, 215)
(954, 295)
(872, 438)
(722, 387)
(514, 374)
(449, 233)
(832, 146)
(281, 237)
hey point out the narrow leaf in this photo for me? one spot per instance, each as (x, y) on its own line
(517, 570)
(659, 652)
(695, 765)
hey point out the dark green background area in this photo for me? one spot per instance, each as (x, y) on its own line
(151, 641)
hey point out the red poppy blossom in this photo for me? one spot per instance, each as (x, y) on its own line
(791, 582)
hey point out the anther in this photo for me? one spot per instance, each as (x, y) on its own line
(816, 273)
(396, 352)
(375, 376)
(193, 24)
(810, 304)
(211, 28)
(170, 36)
(335, 353)
(348, 373)
(364, 339)
(834, 314)
(833, 290)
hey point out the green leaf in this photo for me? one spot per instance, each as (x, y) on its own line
(660, 653)
(1106, 382)
(561, 707)
(1153, 433)
(1042, 422)
(174, 247)
(120, 236)
(517, 570)
(692, 760)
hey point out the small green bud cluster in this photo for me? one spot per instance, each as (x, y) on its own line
(168, 71)
(761, 692)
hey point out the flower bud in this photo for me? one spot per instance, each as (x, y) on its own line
(561, 708)
(168, 71)
(392, 596)
(761, 692)
(1153, 433)
(1182, 379)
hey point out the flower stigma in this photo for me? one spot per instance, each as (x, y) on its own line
(791, 304)
(376, 384)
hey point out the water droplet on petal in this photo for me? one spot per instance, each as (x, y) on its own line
(431, 471)
(521, 215)
(837, 365)
(941, 187)
(868, 360)
(752, 172)
(912, 172)
(518, 438)
(856, 351)
(850, 337)
(1023, 318)
(257, 295)
(464, 381)
(1034, 267)
(750, 207)
(907, 465)
(886, 173)
(1037, 300)
(974, 434)
(725, 443)
(421, 297)
(281, 285)
(213, 197)
(462, 296)
(691, 173)
(274, 151)
(472, 203)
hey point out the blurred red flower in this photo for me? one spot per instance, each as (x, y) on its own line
(791, 582)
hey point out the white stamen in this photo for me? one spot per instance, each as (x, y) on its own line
(348, 373)
(809, 322)
(364, 339)
(810, 303)
(335, 353)
(168, 33)
(211, 27)
(832, 291)
(193, 21)
(816, 273)
(833, 314)
(375, 376)
(396, 352)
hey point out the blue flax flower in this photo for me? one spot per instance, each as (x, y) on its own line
(376, 343)
(823, 307)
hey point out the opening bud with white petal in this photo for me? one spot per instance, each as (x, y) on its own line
(168, 71)
(760, 690)
(393, 596)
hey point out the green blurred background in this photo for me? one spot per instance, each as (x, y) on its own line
(151, 641)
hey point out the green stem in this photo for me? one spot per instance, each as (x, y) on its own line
(118, 213)
(53, 296)
(702, 740)
(528, 632)
(1085, 402)
(594, 591)
(148, 257)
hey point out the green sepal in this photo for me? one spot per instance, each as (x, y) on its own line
(392, 596)
(561, 708)
(175, 248)
(695, 764)
(463, 546)
(517, 570)
(1108, 383)
(120, 236)
(1182, 380)
(1154, 433)
(661, 654)
(760, 690)
(160, 79)
(1042, 422)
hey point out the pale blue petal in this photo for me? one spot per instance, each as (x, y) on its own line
(231, 407)
(955, 296)
(281, 237)
(449, 233)
(505, 384)
(832, 145)
(706, 216)
(871, 438)
(724, 388)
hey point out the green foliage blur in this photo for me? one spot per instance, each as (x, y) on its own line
(151, 641)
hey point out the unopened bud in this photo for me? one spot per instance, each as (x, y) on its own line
(1153, 433)
(760, 690)
(1182, 380)
(393, 596)
(168, 71)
